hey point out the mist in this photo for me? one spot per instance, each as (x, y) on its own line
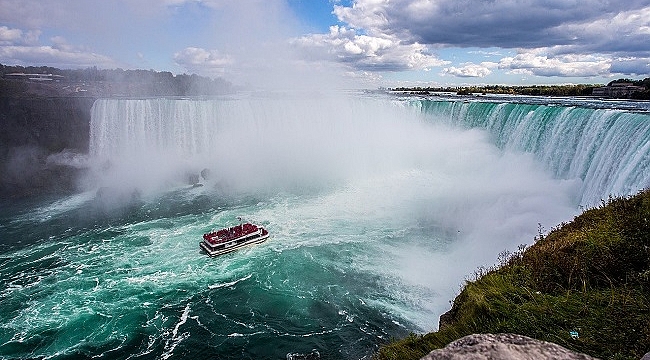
(377, 211)
(433, 202)
(366, 161)
(249, 43)
(274, 143)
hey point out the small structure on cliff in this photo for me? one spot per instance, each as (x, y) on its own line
(617, 90)
(34, 77)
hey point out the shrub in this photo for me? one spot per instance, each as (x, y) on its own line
(590, 276)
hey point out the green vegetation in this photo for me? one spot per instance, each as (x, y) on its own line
(641, 95)
(645, 82)
(106, 82)
(534, 90)
(591, 276)
(540, 90)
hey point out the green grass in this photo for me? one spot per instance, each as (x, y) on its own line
(591, 276)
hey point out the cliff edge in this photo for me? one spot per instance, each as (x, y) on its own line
(40, 138)
(584, 286)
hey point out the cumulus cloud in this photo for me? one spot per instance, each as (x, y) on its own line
(52, 56)
(581, 38)
(88, 15)
(22, 47)
(470, 70)
(571, 65)
(366, 52)
(626, 32)
(497, 23)
(365, 45)
(21, 42)
(9, 36)
(370, 15)
(202, 61)
(538, 63)
(631, 66)
(564, 38)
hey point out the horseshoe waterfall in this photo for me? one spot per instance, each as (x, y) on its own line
(378, 208)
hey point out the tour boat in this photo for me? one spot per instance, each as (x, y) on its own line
(230, 239)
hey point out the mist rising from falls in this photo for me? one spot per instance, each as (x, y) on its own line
(250, 142)
(607, 149)
(431, 200)
(377, 212)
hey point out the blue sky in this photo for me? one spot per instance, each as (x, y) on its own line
(363, 43)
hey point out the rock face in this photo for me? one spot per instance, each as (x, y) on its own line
(34, 129)
(502, 347)
(54, 124)
(447, 318)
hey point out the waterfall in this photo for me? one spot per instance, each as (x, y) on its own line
(295, 138)
(607, 149)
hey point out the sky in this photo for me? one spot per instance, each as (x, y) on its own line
(368, 43)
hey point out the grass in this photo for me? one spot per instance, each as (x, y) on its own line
(590, 276)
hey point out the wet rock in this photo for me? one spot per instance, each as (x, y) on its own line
(502, 347)
(205, 174)
(109, 199)
(30, 171)
(193, 179)
(35, 136)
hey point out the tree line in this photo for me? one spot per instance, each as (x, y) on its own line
(535, 90)
(638, 95)
(124, 82)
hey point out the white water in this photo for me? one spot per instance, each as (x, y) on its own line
(608, 150)
(358, 166)
(378, 210)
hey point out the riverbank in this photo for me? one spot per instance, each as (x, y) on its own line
(583, 286)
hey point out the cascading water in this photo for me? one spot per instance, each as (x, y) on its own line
(607, 149)
(377, 211)
(239, 139)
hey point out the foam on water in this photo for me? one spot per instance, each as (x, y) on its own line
(376, 216)
(607, 149)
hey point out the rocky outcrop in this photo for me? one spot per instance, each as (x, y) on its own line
(37, 135)
(447, 318)
(54, 124)
(502, 347)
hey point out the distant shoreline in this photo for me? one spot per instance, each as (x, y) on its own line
(618, 89)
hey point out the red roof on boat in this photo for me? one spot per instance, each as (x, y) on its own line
(228, 234)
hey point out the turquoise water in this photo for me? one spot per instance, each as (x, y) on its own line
(608, 149)
(140, 287)
(377, 212)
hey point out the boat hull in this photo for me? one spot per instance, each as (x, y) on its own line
(227, 248)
